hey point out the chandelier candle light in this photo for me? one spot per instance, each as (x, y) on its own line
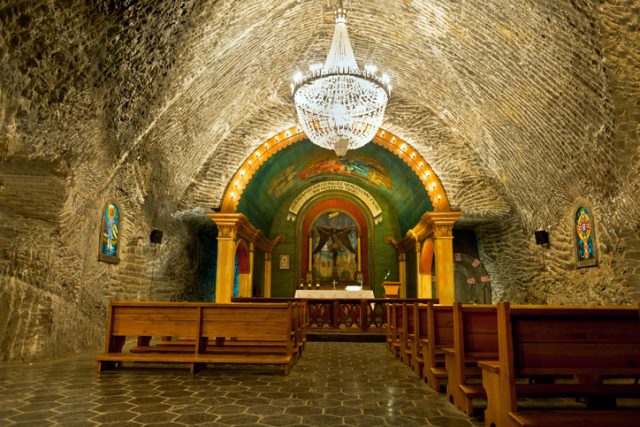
(339, 107)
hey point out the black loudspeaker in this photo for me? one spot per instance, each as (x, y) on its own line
(542, 237)
(156, 236)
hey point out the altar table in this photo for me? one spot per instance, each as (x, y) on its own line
(331, 294)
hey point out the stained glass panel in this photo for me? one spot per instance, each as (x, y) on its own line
(584, 235)
(110, 230)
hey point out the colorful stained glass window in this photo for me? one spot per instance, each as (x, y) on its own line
(585, 241)
(110, 233)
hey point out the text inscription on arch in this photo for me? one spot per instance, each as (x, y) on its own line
(346, 187)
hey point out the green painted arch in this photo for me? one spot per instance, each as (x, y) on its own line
(300, 165)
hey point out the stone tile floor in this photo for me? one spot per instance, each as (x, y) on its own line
(334, 383)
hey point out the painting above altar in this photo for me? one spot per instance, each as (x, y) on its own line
(335, 247)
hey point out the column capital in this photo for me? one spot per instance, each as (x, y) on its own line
(443, 231)
(431, 224)
(228, 224)
(233, 225)
(396, 244)
(442, 223)
(227, 232)
(449, 217)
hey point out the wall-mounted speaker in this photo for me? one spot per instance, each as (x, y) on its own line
(542, 237)
(156, 236)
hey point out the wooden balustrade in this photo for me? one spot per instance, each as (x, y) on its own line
(345, 315)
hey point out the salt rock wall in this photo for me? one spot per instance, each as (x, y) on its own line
(68, 145)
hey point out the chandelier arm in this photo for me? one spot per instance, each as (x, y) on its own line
(317, 76)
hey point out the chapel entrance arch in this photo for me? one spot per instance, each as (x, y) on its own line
(436, 222)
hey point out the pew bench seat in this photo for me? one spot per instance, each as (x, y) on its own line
(107, 359)
(439, 372)
(263, 348)
(576, 418)
(473, 391)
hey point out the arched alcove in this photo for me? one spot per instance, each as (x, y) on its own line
(242, 276)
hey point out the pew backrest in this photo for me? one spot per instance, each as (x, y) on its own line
(194, 321)
(475, 336)
(149, 319)
(584, 342)
(559, 340)
(248, 322)
(476, 330)
(442, 326)
(408, 325)
(421, 321)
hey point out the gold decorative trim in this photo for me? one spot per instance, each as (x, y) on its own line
(392, 143)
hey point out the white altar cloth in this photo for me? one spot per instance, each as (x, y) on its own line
(331, 294)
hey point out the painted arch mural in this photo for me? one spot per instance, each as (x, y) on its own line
(336, 232)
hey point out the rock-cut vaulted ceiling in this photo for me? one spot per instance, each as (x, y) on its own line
(506, 100)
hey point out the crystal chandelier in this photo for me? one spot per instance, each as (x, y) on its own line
(339, 107)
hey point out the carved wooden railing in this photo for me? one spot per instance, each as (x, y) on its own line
(345, 315)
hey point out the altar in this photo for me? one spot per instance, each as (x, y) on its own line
(334, 294)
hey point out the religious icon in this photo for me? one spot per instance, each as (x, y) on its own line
(284, 262)
(110, 234)
(585, 240)
(335, 247)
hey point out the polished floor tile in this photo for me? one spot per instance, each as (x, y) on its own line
(334, 383)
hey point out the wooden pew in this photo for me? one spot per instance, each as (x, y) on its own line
(474, 339)
(214, 333)
(439, 336)
(597, 347)
(394, 327)
(251, 326)
(407, 334)
(233, 344)
(421, 331)
(301, 312)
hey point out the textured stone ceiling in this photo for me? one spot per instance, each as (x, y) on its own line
(508, 101)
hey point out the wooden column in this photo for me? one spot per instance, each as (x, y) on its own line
(252, 248)
(438, 225)
(244, 285)
(226, 262)
(231, 227)
(442, 223)
(267, 275)
(425, 286)
(359, 254)
(418, 281)
(402, 273)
